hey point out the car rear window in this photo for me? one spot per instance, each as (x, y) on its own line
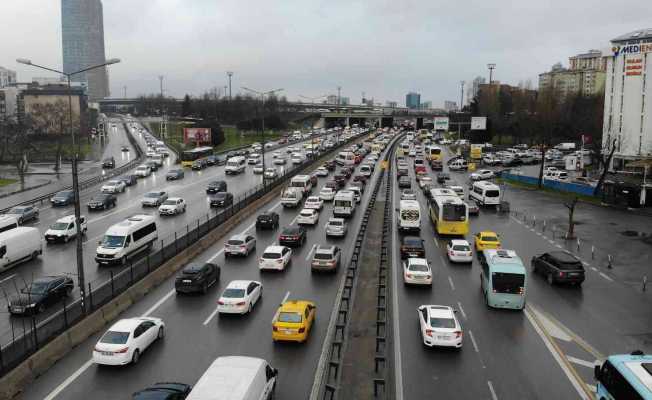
(291, 317)
(336, 223)
(418, 267)
(271, 256)
(235, 242)
(447, 323)
(412, 242)
(233, 293)
(492, 193)
(461, 247)
(323, 256)
(115, 337)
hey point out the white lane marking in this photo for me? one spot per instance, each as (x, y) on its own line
(578, 361)
(551, 241)
(443, 261)
(294, 220)
(538, 233)
(282, 301)
(558, 245)
(210, 317)
(594, 269)
(158, 303)
(310, 252)
(436, 242)
(551, 327)
(577, 385)
(605, 276)
(8, 278)
(398, 369)
(69, 380)
(515, 219)
(493, 392)
(475, 345)
(585, 263)
(545, 237)
(459, 305)
(450, 280)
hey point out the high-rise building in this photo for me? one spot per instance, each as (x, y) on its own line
(7, 77)
(82, 33)
(426, 105)
(585, 76)
(627, 103)
(450, 105)
(412, 100)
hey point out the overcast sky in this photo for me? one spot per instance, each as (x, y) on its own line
(309, 47)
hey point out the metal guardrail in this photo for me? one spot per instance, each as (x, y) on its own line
(91, 181)
(29, 333)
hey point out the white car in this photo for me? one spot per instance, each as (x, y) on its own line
(239, 297)
(258, 169)
(113, 186)
(240, 245)
(412, 153)
(416, 271)
(172, 206)
(275, 257)
(270, 173)
(321, 171)
(127, 339)
(408, 194)
(327, 194)
(143, 171)
(439, 326)
(254, 158)
(150, 153)
(308, 216)
(482, 174)
(297, 158)
(424, 180)
(314, 202)
(65, 229)
(280, 160)
(291, 149)
(459, 250)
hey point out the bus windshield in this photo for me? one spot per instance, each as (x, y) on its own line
(454, 212)
(507, 282)
(616, 384)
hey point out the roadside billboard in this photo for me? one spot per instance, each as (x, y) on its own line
(441, 123)
(197, 136)
(478, 123)
(476, 151)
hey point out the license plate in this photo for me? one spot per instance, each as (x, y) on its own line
(443, 337)
(186, 281)
(19, 309)
(107, 353)
(288, 331)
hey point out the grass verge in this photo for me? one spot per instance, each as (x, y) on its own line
(5, 182)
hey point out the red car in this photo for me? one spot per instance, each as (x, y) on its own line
(357, 159)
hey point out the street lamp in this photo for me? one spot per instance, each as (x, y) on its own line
(262, 117)
(75, 178)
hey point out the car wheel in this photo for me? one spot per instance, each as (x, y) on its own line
(34, 255)
(135, 357)
(250, 308)
(204, 288)
(551, 279)
(41, 308)
(20, 220)
(123, 260)
(161, 333)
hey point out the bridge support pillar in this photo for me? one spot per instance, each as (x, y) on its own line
(348, 120)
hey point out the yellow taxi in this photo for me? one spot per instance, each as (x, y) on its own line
(486, 240)
(293, 321)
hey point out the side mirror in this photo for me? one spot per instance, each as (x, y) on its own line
(597, 372)
(99, 243)
(275, 372)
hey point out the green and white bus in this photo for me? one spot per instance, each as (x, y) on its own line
(503, 279)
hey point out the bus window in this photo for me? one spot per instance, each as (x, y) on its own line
(507, 283)
(454, 212)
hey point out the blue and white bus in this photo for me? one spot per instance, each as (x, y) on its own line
(503, 279)
(625, 376)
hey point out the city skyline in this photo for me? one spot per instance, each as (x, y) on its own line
(311, 59)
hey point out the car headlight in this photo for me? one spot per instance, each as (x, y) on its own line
(31, 305)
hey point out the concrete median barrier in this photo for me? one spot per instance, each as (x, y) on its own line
(48, 355)
(84, 328)
(114, 308)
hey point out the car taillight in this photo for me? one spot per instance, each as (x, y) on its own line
(429, 332)
(561, 274)
(122, 351)
(240, 303)
(521, 290)
(452, 253)
(458, 334)
(220, 302)
(243, 247)
(302, 329)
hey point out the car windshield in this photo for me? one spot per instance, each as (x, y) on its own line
(412, 242)
(323, 256)
(152, 195)
(115, 337)
(63, 194)
(232, 293)
(446, 323)
(220, 196)
(59, 226)
(271, 256)
(36, 288)
(111, 241)
(291, 317)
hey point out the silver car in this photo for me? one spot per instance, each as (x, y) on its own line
(239, 245)
(326, 258)
(336, 227)
(154, 199)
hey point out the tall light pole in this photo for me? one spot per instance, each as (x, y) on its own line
(262, 117)
(491, 72)
(160, 78)
(75, 179)
(230, 74)
(459, 122)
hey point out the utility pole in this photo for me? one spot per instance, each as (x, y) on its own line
(459, 121)
(124, 88)
(160, 78)
(491, 72)
(339, 90)
(230, 74)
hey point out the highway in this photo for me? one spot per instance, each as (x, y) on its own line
(195, 335)
(60, 258)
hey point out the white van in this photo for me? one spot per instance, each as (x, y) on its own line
(366, 170)
(8, 222)
(458, 165)
(18, 245)
(485, 193)
(65, 229)
(236, 378)
(345, 158)
(303, 183)
(409, 216)
(344, 204)
(291, 197)
(235, 165)
(125, 239)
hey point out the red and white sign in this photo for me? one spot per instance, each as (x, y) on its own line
(634, 66)
(197, 135)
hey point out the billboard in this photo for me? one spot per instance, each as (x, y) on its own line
(476, 151)
(441, 123)
(197, 136)
(478, 123)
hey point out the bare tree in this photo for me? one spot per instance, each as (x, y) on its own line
(570, 234)
(606, 156)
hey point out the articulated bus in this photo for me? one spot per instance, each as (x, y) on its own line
(188, 156)
(448, 213)
(433, 153)
(503, 279)
(625, 376)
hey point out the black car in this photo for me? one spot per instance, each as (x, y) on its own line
(221, 199)
(102, 201)
(152, 165)
(512, 162)
(41, 293)
(559, 267)
(442, 177)
(341, 181)
(108, 162)
(197, 278)
(426, 189)
(174, 175)
(220, 159)
(216, 187)
(199, 164)
(163, 391)
(63, 198)
(412, 246)
(211, 160)
(129, 180)
(267, 220)
(330, 165)
(404, 182)
(292, 236)
(436, 165)
(346, 171)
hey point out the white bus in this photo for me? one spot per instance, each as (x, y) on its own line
(124, 239)
(345, 158)
(409, 216)
(344, 204)
(485, 193)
